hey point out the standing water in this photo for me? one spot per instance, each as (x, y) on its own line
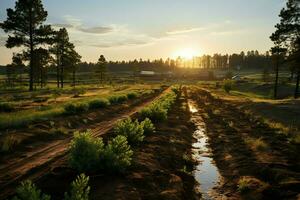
(206, 173)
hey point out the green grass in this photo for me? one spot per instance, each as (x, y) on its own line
(25, 117)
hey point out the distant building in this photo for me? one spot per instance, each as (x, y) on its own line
(236, 78)
(147, 73)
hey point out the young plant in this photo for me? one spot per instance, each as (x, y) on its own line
(227, 86)
(28, 191)
(6, 107)
(85, 151)
(72, 108)
(79, 189)
(148, 126)
(132, 130)
(117, 155)
(132, 95)
(117, 99)
(99, 103)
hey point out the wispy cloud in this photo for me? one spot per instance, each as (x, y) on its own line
(187, 30)
(97, 30)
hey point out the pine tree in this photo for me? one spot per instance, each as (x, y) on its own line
(25, 25)
(65, 54)
(101, 68)
(287, 35)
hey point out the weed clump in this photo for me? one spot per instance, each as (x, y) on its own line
(73, 108)
(99, 103)
(244, 184)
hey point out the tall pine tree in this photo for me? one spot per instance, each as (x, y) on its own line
(287, 35)
(25, 27)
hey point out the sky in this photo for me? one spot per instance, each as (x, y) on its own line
(151, 29)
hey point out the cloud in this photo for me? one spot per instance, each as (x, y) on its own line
(2, 40)
(97, 30)
(63, 25)
(182, 31)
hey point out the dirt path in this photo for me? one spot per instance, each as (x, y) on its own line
(35, 163)
(248, 149)
(160, 167)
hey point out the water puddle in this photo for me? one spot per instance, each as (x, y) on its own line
(206, 173)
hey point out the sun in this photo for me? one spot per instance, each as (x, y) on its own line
(187, 53)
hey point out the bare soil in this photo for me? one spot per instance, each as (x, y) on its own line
(39, 151)
(273, 169)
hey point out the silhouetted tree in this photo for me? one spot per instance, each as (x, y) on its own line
(65, 55)
(101, 67)
(287, 35)
(25, 23)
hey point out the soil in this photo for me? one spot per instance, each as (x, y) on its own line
(34, 157)
(272, 170)
(157, 171)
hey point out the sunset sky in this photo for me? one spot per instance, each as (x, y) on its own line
(123, 30)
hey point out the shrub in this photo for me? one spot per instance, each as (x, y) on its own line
(78, 91)
(40, 99)
(8, 143)
(6, 107)
(227, 86)
(117, 99)
(132, 95)
(76, 108)
(99, 103)
(244, 184)
(85, 151)
(117, 154)
(79, 189)
(28, 191)
(154, 112)
(147, 126)
(132, 130)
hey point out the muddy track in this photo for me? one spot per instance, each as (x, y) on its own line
(275, 170)
(39, 161)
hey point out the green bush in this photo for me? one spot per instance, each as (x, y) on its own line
(117, 154)
(99, 103)
(147, 126)
(28, 191)
(85, 151)
(78, 91)
(79, 189)
(116, 99)
(154, 112)
(132, 130)
(6, 107)
(158, 110)
(227, 86)
(90, 154)
(132, 95)
(73, 108)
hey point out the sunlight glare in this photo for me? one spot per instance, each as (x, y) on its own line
(187, 53)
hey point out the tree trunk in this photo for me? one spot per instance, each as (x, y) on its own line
(74, 76)
(276, 77)
(62, 77)
(31, 51)
(297, 85)
(57, 69)
(41, 71)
